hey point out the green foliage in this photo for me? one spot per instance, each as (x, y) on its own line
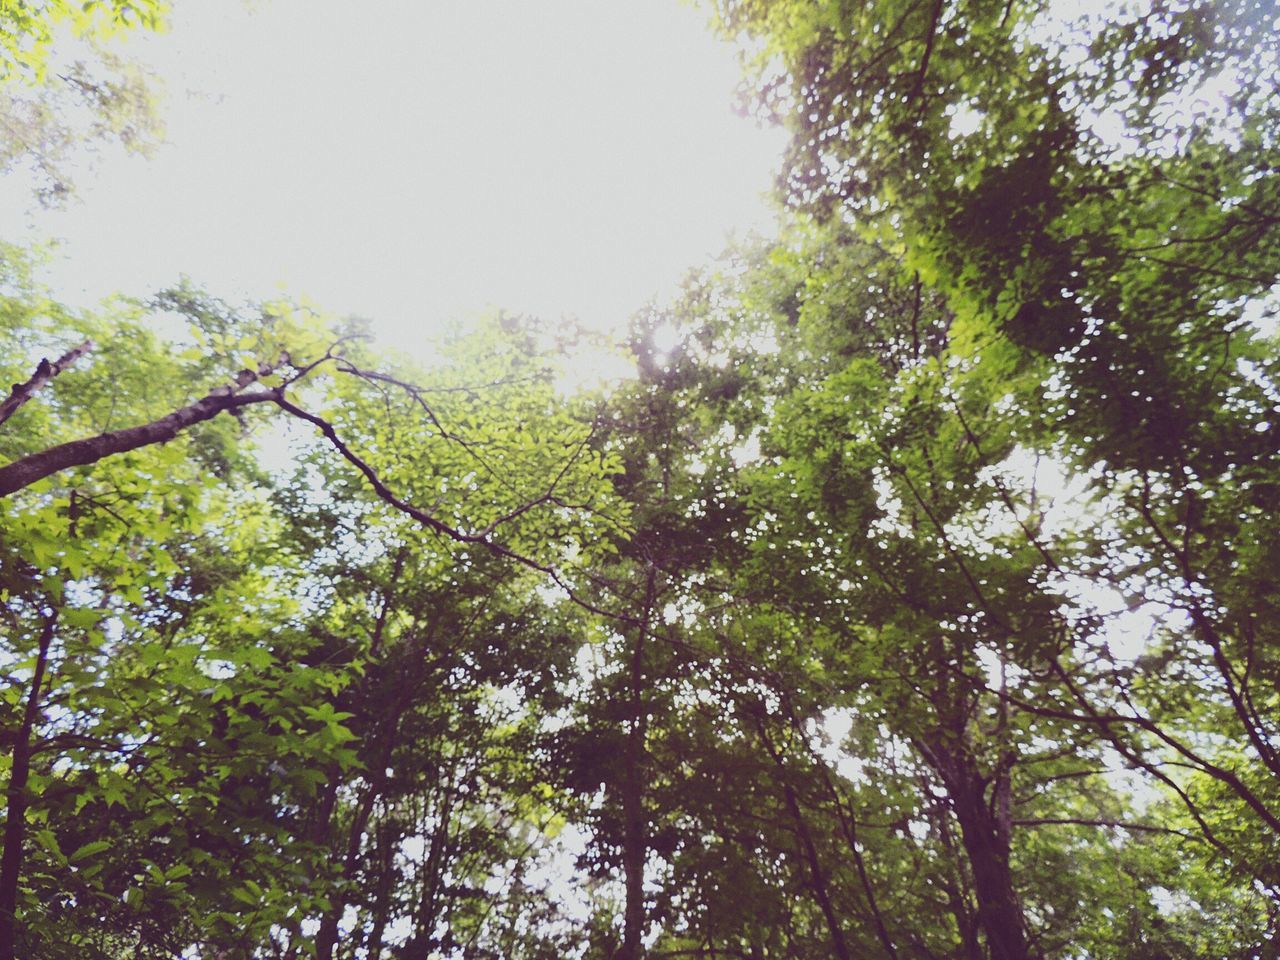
(29, 27)
(915, 599)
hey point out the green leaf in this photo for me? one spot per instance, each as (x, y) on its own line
(90, 849)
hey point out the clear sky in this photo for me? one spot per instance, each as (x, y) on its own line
(407, 160)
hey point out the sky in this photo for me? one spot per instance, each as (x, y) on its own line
(414, 160)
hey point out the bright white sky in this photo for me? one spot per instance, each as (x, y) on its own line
(408, 160)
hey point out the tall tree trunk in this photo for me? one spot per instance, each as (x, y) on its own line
(382, 899)
(847, 818)
(817, 876)
(634, 842)
(327, 936)
(15, 824)
(986, 844)
(985, 828)
(956, 888)
(430, 876)
(633, 851)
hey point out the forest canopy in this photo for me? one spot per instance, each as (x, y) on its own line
(915, 599)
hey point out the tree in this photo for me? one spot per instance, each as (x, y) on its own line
(817, 638)
(179, 687)
(49, 108)
(1073, 269)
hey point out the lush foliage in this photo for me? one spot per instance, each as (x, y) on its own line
(915, 599)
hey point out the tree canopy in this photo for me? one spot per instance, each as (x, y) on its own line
(915, 599)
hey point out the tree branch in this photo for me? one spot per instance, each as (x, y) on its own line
(1115, 824)
(930, 38)
(435, 524)
(45, 371)
(78, 453)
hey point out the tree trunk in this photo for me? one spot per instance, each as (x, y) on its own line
(634, 841)
(817, 876)
(430, 876)
(382, 899)
(15, 825)
(633, 852)
(327, 936)
(987, 845)
(956, 888)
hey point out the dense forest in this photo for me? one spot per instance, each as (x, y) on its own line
(916, 599)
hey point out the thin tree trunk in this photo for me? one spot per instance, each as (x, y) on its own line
(849, 827)
(817, 876)
(634, 822)
(634, 841)
(432, 872)
(15, 824)
(382, 900)
(985, 829)
(385, 744)
(327, 936)
(633, 854)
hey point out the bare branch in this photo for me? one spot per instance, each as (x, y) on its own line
(1115, 824)
(930, 38)
(45, 371)
(481, 539)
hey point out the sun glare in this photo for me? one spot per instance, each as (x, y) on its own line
(421, 161)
